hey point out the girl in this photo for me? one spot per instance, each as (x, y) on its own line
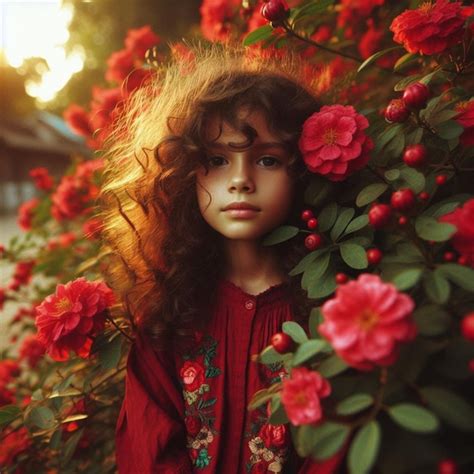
(203, 165)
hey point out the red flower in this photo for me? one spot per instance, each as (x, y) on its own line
(9, 369)
(463, 240)
(66, 319)
(26, 213)
(193, 425)
(3, 298)
(365, 321)
(92, 228)
(301, 395)
(14, 442)
(42, 178)
(192, 374)
(120, 65)
(31, 350)
(7, 397)
(432, 28)
(353, 12)
(216, 18)
(22, 274)
(139, 40)
(259, 467)
(78, 120)
(333, 142)
(256, 20)
(466, 119)
(274, 435)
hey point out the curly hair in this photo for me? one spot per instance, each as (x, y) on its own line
(159, 244)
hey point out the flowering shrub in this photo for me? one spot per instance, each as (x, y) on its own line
(383, 380)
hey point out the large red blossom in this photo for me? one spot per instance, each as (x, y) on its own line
(66, 319)
(431, 28)
(26, 213)
(366, 320)
(301, 395)
(333, 142)
(139, 40)
(216, 17)
(463, 240)
(466, 120)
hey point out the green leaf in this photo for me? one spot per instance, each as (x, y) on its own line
(109, 355)
(342, 220)
(450, 407)
(315, 319)
(443, 116)
(8, 413)
(364, 448)
(431, 320)
(370, 193)
(315, 270)
(306, 261)
(269, 356)
(392, 174)
(328, 439)
(354, 255)
(437, 287)
(449, 130)
(295, 331)
(407, 278)
(308, 349)
(310, 8)
(406, 81)
(70, 447)
(332, 366)
(42, 417)
(429, 228)
(327, 217)
(387, 135)
(324, 286)
(404, 60)
(354, 404)
(414, 179)
(281, 234)
(374, 57)
(68, 392)
(317, 191)
(414, 418)
(440, 209)
(458, 274)
(278, 414)
(358, 223)
(257, 35)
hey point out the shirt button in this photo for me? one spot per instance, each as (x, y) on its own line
(249, 304)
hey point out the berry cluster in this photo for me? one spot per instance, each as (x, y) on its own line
(414, 97)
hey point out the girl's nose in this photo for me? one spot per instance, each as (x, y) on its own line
(241, 178)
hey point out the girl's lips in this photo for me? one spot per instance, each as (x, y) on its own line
(242, 213)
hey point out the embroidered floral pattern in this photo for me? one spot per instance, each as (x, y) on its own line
(199, 412)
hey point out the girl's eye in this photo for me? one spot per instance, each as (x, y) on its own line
(215, 161)
(269, 161)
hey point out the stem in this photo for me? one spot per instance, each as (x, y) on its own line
(109, 318)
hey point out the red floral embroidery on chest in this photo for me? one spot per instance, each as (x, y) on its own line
(196, 369)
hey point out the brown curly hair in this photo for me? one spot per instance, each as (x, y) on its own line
(159, 244)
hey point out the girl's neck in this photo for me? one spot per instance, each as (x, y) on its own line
(251, 266)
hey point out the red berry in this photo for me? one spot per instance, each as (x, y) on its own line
(341, 278)
(396, 111)
(424, 196)
(414, 155)
(313, 241)
(403, 199)
(379, 215)
(402, 220)
(374, 256)
(313, 223)
(449, 256)
(275, 10)
(447, 466)
(441, 179)
(470, 366)
(306, 215)
(462, 260)
(467, 326)
(416, 95)
(282, 343)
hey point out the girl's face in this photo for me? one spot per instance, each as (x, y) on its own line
(253, 174)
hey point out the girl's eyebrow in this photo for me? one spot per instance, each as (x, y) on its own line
(258, 146)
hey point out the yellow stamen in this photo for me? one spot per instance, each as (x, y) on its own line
(425, 7)
(330, 136)
(368, 319)
(62, 305)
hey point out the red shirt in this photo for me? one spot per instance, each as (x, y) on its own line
(185, 411)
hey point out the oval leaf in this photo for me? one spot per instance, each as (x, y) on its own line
(370, 193)
(358, 223)
(407, 278)
(342, 220)
(8, 413)
(459, 275)
(281, 234)
(332, 366)
(414, 418)
(354, 255)
(364, 448)
(259, 34)
(295, 331)
(374, 57)
(327, 217)
(308, 349)
(429, 228)
(354, 404)
(437, 287)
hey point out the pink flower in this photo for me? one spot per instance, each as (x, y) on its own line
(466, 120)
(139, 40)
(366, 320)
(192, 374)
(301, 395)
(463, 240)
(67, 319)
(333, 142)
(42, 178)
(26, 213)
(431, 28)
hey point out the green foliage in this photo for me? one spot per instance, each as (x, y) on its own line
(364, 448)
